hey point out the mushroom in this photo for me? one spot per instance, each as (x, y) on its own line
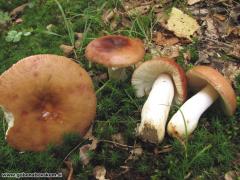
(115, 52)
(164, 80)
(43, 98)
(211, 85)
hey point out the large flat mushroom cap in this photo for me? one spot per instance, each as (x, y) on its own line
(145, 75)
(115, 51)
(199, 76)
(48, 96)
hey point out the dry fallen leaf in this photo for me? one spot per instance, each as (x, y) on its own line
(232, 175)
(231, 71)
(161, 18)
(234, 30)
(99, 172)
(108, 15)
(79, 38)
(18, 20)
(118, 138)
(139, 10)
(192, 2)
(100, 77)
(236, 49)
(181, 24)
(211, 30)
(67, 50)
(164, 149)
(15, 12)
(220, 17)
(161, 40)
(125, 22)
(135, 154)
(70, 170)
(84, 150)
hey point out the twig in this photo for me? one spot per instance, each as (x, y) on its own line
(115, 143)
(77, 146)
(218, 42)
(126, 169)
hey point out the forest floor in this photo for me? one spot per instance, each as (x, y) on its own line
(113, 149)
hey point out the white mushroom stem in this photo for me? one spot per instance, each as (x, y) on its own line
(117, 73)
(155, 110)
(190, 112)
(9, 119)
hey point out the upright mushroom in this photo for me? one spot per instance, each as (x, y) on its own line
(212, 85)
(164, 80)
(44, 97)
(115, 52)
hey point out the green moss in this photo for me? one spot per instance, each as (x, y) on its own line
(209, 151)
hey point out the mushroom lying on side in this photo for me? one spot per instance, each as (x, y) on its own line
(164, 80)
(115, 52)
(43, 98)
(212, 85)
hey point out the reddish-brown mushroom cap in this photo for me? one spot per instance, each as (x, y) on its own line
(48, 96)
(145, 75)
(115, 51)
(199, 76)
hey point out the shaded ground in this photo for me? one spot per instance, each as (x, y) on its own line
(213, 149)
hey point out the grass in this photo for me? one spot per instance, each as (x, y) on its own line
(210, 151)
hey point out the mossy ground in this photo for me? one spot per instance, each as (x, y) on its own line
(208, 154)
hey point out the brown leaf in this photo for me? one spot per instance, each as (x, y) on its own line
(100, 77)
(231, 175)
(220, 17)
(89, 134)
(79, 38)
(162, 18)
(67, 50)
(126, 22)
(236, 49)
(139, 10)
(234, 30)
(118, 138)
(231, 71)
(70, 169)
(99, 172)
(18, 20)
(211, 31)
(135, 153)
(161, 40)
(18, 10)
(84, 150)
(187, 55)
(165, 149)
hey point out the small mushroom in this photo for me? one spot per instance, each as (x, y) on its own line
(164, 80)
(43, 98)
(212, 85)
(115, 52)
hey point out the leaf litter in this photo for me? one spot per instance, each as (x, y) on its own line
(217, 33)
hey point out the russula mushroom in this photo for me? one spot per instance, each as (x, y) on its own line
(211, 85)
(164, 80)
(43, 98)
(115, 52)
